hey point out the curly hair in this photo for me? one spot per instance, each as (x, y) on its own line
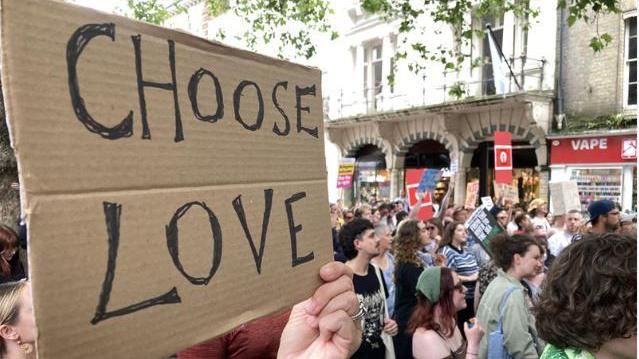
(423, 315)
(8, 241)
(504, 247)
(407, 242)
(590, 295)
(349, 233)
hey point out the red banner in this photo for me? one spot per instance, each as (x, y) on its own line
(593, 149)
(503, 157)
(413, 176)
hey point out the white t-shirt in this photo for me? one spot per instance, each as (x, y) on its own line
(558, 241)
(542, 222)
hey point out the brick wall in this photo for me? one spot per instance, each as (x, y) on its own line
(593, 82)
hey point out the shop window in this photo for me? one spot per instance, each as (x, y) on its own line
(598, 183)
(630, 77)
(372, 180)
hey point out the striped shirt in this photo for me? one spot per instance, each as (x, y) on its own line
(463, 262)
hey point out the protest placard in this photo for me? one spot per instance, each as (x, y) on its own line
(173, 187)
(487, 202)
(564, 197)
(506, 191)
(472, 193)
(429, 179)
(413, 177)
(345, 173)
(482, 225)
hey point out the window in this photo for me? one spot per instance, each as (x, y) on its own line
(631, 63)
(497, 25)
(372, 74)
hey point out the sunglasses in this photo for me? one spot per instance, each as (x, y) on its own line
(460, 287)
(348, 217)
(430, 228)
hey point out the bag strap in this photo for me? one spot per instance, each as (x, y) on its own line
(502, 304)
(381, 288)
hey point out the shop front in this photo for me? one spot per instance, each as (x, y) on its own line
(371, 181)
(604, 166)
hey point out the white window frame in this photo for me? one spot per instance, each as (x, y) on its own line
(368, 73)
(626, 61)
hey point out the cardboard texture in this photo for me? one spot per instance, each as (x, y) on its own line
(565, 197)
(146, 237)
(472, 194)
(506, 191)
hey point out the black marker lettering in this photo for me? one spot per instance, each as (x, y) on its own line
(239, 209)
(299, 92)
(172, 86)
(76, 44)
(236, 105)
(293, 229)
(172, 242)
(112, 213)
(287, 125)
(193, 88)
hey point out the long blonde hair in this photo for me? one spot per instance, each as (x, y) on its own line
(10, 305)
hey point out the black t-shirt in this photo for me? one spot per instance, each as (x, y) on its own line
(373, 299)
(406, 276)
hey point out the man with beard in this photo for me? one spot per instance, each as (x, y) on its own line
(604, 216)
(360, 245)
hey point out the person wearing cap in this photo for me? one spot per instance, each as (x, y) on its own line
(538, 211)
(360, 245)
(628, 224)
(440, 295)
(604, 216)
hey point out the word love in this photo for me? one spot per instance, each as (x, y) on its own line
(113, 213)
(83, 35)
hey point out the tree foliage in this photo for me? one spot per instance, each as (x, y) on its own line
(290, 24)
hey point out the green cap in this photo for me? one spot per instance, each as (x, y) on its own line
(429, 283)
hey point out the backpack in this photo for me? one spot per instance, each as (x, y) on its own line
(496, 349)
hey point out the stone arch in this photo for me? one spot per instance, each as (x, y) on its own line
(357, 137)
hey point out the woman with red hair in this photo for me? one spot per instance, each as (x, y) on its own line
(440, 295)
(10, 266)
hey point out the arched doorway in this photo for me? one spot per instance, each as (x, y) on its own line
(371, 180)
(525, 176)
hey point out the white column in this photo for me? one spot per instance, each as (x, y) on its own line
(358, 95)
(387, 54)
(626, 188)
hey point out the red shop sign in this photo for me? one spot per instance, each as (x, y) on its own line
(598, 149)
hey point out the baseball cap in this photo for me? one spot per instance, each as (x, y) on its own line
(600, 208)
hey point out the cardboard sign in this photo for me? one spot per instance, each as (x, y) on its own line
(564, 197)
(345, 173)
(472, 194)
(174, 188)
(413, 177)
(429, 180)
(507, 191)
(503, 157)
(483, 226)
(487, 202)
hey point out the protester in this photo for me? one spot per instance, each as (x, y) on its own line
(11, 268)
(386, 263)
(459, 259)
(321, 326)
(460, 214)
(591, 312)
(524, 224)
(408, 267)
(364, 211)
(17, 324)
(348, 215)
(538, 211)
(562, 238)
(512, 226)
(518, 257)
(628, 225)
(435, 230)
(604, 216)
(360, 246)
(440, 295)
(502, 219)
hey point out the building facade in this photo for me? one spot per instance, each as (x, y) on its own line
(595, 141)
(418, 122)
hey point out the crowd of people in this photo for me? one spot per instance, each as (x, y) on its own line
(449, 296)
(550, 287)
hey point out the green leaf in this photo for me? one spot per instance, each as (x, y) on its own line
(571, 20)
